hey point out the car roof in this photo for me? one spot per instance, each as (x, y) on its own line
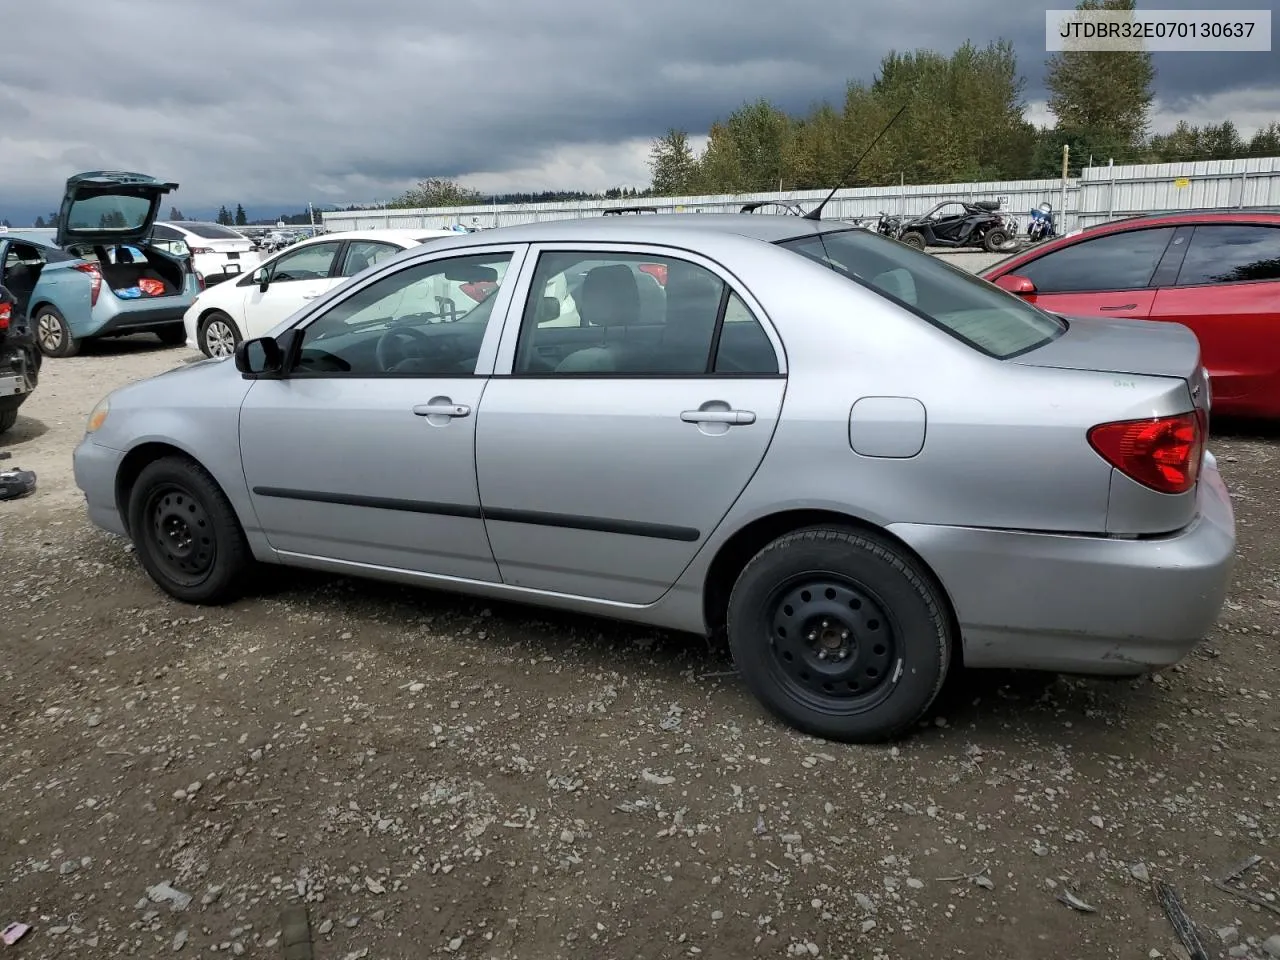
(1266, 215)
(673, 228)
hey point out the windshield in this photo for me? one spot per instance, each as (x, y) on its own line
(969, 308)
(212, 231)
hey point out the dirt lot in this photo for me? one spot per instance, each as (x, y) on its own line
(433, 776)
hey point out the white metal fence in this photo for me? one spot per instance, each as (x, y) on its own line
(1098, 195)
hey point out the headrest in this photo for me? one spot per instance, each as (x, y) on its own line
(610, 296)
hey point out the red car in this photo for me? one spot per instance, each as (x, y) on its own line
(1217, 273)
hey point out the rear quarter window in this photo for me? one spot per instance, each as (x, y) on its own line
(973, 311)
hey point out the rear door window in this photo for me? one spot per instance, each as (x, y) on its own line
(970, 309)
(1118, 261)
(1231, 253)
(362, 254)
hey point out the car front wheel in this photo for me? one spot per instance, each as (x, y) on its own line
(186, 532)
(218, 335)
(53, 335)
(839, 634)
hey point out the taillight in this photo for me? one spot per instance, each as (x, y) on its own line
(96, 276)
(6, 314)
(656, 270)
(1163, 453)
(201, 249)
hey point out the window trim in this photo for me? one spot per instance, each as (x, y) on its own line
(1087, 238)
(1215, 284)
(603, 250)
(515, 252)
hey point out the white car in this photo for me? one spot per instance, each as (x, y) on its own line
(244, 308)
(217, 252)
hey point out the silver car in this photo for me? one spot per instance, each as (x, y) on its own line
(863, 464)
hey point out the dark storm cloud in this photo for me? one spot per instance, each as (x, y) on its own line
(347, 101)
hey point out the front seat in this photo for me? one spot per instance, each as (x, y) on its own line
(609, 298)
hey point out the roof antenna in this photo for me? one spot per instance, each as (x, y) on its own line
(816, 212)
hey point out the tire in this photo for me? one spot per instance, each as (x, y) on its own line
(53, 336)
(8, 418)
(217, 332)
(839, 635)
(913, 239)
(174, 336)
(175, 498)
(994, 240)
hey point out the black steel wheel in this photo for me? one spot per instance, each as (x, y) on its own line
(186, 532)
(913, 239)
(840, 634)
(833, 644)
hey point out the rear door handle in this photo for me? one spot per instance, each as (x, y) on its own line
(442, 410)
(1123, 306)
(736, 417)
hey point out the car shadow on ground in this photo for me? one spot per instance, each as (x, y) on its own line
(981, 702)
(23, 431)
(1240, 428)
(134, 344)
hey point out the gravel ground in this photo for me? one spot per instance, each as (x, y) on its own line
(434, 776)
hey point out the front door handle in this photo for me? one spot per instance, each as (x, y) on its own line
(1123, 306)
(735, 417)
(442, 410)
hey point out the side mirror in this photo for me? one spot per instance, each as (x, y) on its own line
(260, 358)
(261, 278)
(1016, 284)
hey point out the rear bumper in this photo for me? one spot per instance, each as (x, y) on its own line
(95, 468)
(1082, 604)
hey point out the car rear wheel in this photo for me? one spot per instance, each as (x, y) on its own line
(994, 240)
(53, 335)
(8, 418)
(913, 238)
(218, 335)
(839, 634)
(173, 336)
(186, 532)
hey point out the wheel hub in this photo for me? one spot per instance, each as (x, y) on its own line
(832, 640)
(182, 535)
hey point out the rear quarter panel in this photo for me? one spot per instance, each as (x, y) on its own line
(1238, 325)
(1005, 444)
(68, 291)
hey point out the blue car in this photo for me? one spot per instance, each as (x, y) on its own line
(101, 277)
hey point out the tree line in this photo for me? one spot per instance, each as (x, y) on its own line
(964, 122)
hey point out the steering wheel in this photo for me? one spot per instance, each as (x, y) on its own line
(390, 351)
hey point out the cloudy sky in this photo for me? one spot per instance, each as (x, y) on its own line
(272, 104)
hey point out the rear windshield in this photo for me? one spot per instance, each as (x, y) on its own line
(109, 212)
(982, 315)
(212, 231)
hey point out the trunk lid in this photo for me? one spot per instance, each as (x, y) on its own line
(1147, 348)
(109, 207)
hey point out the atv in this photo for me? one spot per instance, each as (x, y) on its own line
(958, 223)
(19, 359)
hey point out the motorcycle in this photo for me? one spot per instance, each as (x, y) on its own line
(972, 224)
(1041, 226)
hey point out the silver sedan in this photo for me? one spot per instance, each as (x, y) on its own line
(862, 464)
